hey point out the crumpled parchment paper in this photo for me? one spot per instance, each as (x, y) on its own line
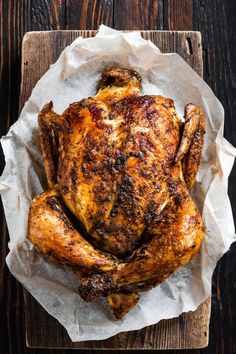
(74, 76)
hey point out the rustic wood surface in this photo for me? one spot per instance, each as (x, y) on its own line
(188, 331)
(216, 21)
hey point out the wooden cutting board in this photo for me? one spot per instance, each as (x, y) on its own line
(188, 331)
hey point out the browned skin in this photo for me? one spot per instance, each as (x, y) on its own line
(55, 237)
(121, 167)
(121, 303)
(191, 159)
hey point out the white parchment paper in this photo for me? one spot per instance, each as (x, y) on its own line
(74, 76)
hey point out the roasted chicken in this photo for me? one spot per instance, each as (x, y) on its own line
(118, 211)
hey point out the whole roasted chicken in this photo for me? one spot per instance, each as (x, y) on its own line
(119, 168)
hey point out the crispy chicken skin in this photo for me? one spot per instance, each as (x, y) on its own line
(118, 212)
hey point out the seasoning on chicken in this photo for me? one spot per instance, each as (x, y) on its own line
(118, 211)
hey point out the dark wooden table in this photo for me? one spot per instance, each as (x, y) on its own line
(216, 19)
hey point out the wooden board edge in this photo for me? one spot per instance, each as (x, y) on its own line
(33, 33)
(203, 344)
(80, 30)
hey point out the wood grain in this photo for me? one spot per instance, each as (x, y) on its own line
(217, 22)
(188, 331)
(14, 23)
(47, 15)
(138, 14)
(178, 15)
(88, 14)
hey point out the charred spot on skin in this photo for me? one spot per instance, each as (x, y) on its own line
(146, 99)
(171, 155)
(135, 154)
(114, 212)
(145, 144)
(128, 113)
(115, 207)
(126, 186)
(173, 187)
(151, 207)
(178, 199)
(97, 285)
(113, 165)
(150, 114)
(101, 192)
(142, 190)
(111, 115)
(96, 111)
(126, 199)
(146, 174)
(151, 214)
(143, 147)
(110, 163)
(72, 117)
(102, 126)
(73, 175)
(119, 163)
